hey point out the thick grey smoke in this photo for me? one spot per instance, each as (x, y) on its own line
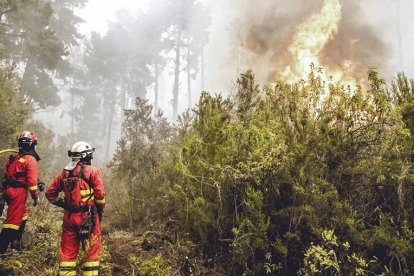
(358, 41)
(261, 32)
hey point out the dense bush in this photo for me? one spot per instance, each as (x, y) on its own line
(13, 111)
(40, 243)
(291, 178)
(137, 166)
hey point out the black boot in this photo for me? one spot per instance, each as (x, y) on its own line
(16, 245)
(7, 235)
(17, 242)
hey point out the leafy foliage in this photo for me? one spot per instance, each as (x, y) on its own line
(41, 243)
(32, 36)
(13, 113)
(137, 162)
(300, 178)
(255, 180)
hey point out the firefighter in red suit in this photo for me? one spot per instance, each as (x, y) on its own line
(21, 176)
(79, 190)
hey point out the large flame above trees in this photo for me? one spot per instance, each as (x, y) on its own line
(308, 46)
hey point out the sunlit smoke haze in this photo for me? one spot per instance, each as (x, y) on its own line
(277, 39)
(98, 13)
(261, 36)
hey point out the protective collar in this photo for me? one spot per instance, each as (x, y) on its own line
(31, 152)
(75, 161)
(71, 165)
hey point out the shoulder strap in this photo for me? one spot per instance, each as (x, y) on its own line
(65, 175)
(82, 175)
(88, 181)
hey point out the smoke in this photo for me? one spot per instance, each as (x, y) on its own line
(262, 31)
(357, 41)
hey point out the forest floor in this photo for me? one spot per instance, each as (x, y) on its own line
(152, 251)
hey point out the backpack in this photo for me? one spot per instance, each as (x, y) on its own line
(12, 174)
(71, 187)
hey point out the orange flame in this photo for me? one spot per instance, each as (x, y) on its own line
(309, 43)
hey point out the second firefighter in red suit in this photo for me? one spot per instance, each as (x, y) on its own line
(79, 190)
(21, 176)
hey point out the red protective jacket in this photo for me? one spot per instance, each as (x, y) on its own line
(22, 168)
(92, 175)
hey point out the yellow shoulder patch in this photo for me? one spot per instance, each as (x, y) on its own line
(21, 160)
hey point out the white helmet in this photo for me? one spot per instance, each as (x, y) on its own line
(81, 150)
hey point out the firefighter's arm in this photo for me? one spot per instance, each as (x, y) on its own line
(32, 177)
(52, 192)
(99, 191)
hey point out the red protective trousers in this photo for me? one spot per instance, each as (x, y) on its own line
(69, 246)
(16, 212)
(15, 222)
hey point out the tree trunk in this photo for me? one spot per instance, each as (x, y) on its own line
(27, 76)
(202, 70)
(156, 107)
(109, 129)
(189, 87)
(402, 193)
(188, 77)
(398, 21)
(176, 76)
(124, 97)
(131, 203)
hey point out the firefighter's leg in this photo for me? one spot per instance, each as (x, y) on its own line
(6, 236)
(15, 214)
(69, 247)
(93, 251)
(67, 268)
(17, 243)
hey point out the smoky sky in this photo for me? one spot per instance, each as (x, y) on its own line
(263, 30)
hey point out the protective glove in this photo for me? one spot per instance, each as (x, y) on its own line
(100, 212)
(41, 186)
(60, 203)
(100, 215)
(35, 201)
